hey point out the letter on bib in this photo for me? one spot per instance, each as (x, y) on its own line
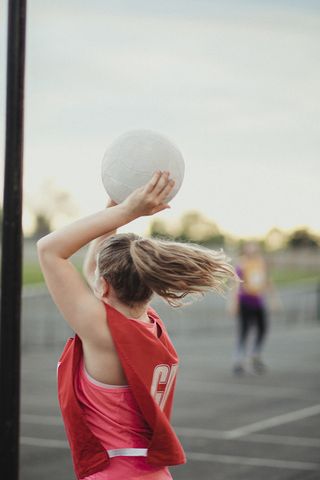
(162, 381)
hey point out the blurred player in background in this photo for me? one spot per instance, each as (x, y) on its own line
(249, 306)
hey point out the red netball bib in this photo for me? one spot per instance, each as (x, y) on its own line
(150, 364)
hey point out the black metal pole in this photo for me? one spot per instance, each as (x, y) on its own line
(11, 265)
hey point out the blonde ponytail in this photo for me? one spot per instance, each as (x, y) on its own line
(174, 270)
(138, 267)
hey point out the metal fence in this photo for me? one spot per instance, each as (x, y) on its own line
(43, 325)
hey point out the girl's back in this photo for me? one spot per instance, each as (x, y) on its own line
(101, 357)
(115, 418)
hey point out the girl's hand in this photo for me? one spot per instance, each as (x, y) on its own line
(150, 198)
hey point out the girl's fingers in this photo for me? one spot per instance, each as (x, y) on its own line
(153, 182)
(161, 184)
(166, 190)
(159, 187)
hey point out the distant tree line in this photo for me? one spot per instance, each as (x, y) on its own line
(193, 226)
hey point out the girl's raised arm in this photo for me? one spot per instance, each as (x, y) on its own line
(90, 260)
(73, 297)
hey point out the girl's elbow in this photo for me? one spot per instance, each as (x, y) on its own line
(42, 245)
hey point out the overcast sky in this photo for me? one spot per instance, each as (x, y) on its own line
(234, 83)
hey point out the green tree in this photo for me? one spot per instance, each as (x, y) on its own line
(302, 238)
(48, 206)
(159, 229)
(42, 225)
(195, 227)
(276, 239)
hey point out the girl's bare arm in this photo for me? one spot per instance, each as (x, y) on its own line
(90, 260)
(73, 297)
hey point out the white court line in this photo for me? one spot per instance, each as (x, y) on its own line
(197, 433)
(201, 433)
(43, 442)
(282, 440)
(256, 438)
(274, 421)
(252, 462)
(240, 389)
(197, 456)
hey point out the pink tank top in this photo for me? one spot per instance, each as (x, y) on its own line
(112, 412)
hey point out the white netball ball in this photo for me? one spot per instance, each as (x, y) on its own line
(132, 159)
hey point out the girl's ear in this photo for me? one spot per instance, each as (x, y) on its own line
(105, 287)
(101, 288)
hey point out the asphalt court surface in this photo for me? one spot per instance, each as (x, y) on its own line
(242, 428)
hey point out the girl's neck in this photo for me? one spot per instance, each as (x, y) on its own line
(138, 312)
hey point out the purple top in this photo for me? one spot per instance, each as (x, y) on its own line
(248, 299)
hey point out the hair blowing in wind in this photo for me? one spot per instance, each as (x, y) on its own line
(138, 267)
(174, 270)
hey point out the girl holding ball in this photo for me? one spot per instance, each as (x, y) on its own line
(116, 376)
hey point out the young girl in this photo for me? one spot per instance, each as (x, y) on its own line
(250, 307)
(116, 376)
